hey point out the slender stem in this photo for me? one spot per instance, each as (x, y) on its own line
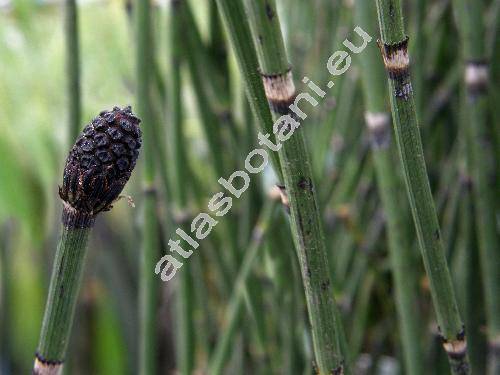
(195, 55)
(236, 305)
(63, 291)
(184, 301)
(395, 55)
(148, 284)
(482, 164)
(299, 187)
(240, 37)
(379, 129)
(72, 68)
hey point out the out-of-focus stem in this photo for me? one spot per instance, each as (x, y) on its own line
(148, 283)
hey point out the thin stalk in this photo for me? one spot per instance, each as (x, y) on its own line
(195, 55)
(299, 187)
(233, 16)
(482, 164)
(148, 283)
(470, 294)
(184, 302)
(64, 288)
(72, 68)
(6, 280)
(389, 183)
(236, 305)
(395, 55)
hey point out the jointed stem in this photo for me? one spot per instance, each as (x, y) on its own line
(379, 127)
(305, 221)
(63, 292)
(394, 52)
(482, 164)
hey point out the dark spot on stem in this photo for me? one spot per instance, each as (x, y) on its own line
(47, 361)
(305, 184)
(325, 285)
(391, 9)
(269, 12)
(338, 370)
(436, 234)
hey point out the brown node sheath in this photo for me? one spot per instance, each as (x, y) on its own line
(284, 198)
(476, 77)
(494, 346)
(456, 350)
(72, 218)
(280, 91)
(46, 367)
(396, 59)
(379, 129)
(397, 65)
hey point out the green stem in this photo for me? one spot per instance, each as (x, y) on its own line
(239, 34)
(64, 288)
(73, 68)
(482, 165)
(400, 251)
(236, 305)
(148, 283)
(299, 188)
(185, 296)
(394, 51)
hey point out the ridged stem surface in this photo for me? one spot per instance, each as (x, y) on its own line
(236, 306)
(63, 294)
(389, 187)
(482, 163)
(395, 55)
(300, 191)
(72, 68)
(148, 283)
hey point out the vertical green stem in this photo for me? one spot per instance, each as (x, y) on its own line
(299, 187)
(233, 16)
(400, 251)
(72, 68)
(63, 292)
(482, 164)
(236, 303)
(148, 287)
(395, 55)
(184, 301)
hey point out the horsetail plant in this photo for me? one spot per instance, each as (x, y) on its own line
(97, 169)
(394, 49)
(482, 165)
(299, 190)
(378, 125)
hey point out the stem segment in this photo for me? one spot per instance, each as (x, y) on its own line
(299, 187)
(73, 68)
(63, 291)
(148, 284)
(396, 60)
(378, 125)
(482, 165)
